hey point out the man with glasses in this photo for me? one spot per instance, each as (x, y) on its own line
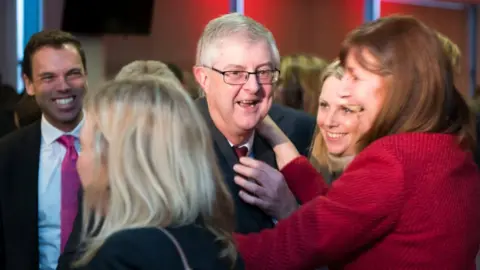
(237, 66)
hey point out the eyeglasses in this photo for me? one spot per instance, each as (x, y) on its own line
(234, 77)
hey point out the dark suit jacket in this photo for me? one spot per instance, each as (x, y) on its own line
(7, 122)
(298, 126)
(150, 248)
(19, 160)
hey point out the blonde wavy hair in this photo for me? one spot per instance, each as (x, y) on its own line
(319, 156)
(159, 162)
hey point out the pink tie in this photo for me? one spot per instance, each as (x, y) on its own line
(70, 186)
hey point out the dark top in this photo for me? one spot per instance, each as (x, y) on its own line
(7, 122)
(19, 161)
(151, 248)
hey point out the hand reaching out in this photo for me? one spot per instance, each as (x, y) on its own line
(264, 187)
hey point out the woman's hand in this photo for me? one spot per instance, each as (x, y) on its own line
(269, 129)
(284, 149)
(264, 187)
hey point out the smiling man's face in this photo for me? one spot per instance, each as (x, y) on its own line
(58, 83)
(237, 109)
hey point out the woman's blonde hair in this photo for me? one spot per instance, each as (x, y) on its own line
(319, 156)
(298, 85)
(142, 67)
(160, 164)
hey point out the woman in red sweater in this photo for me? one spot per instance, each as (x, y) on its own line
(410, 199)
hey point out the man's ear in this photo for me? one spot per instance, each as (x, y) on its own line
(202, 77)
(28, 85)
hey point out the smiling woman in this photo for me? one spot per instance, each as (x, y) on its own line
(338, 127)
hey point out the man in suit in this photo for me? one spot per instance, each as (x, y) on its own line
(38, 180)
(237, 65)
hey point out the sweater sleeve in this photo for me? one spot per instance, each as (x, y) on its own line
(361, 206)
(303, 180)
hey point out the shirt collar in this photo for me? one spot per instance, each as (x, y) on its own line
(248, 143)
(51, 133)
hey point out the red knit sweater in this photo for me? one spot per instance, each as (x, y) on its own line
(407, 201)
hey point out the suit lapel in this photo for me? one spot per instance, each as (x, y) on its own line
(263, 151)
(226, 157)
(223, 149)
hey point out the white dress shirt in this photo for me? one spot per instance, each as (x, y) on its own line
(248, 144)
(49, 193)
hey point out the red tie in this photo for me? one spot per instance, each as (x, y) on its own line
(240, 151)
(70, 186)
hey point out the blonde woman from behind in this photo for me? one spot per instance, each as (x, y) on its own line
(153, 196)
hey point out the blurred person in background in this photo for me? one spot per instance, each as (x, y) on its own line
(298, 85)
(474, 103)
(187, 80)
(177, 71)
(452, 50)
(16, 110)
(454, 53)
(27, 111)
(192, 85)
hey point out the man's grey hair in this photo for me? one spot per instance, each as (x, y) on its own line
(227, 26)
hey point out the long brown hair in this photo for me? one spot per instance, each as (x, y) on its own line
(420, 96)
